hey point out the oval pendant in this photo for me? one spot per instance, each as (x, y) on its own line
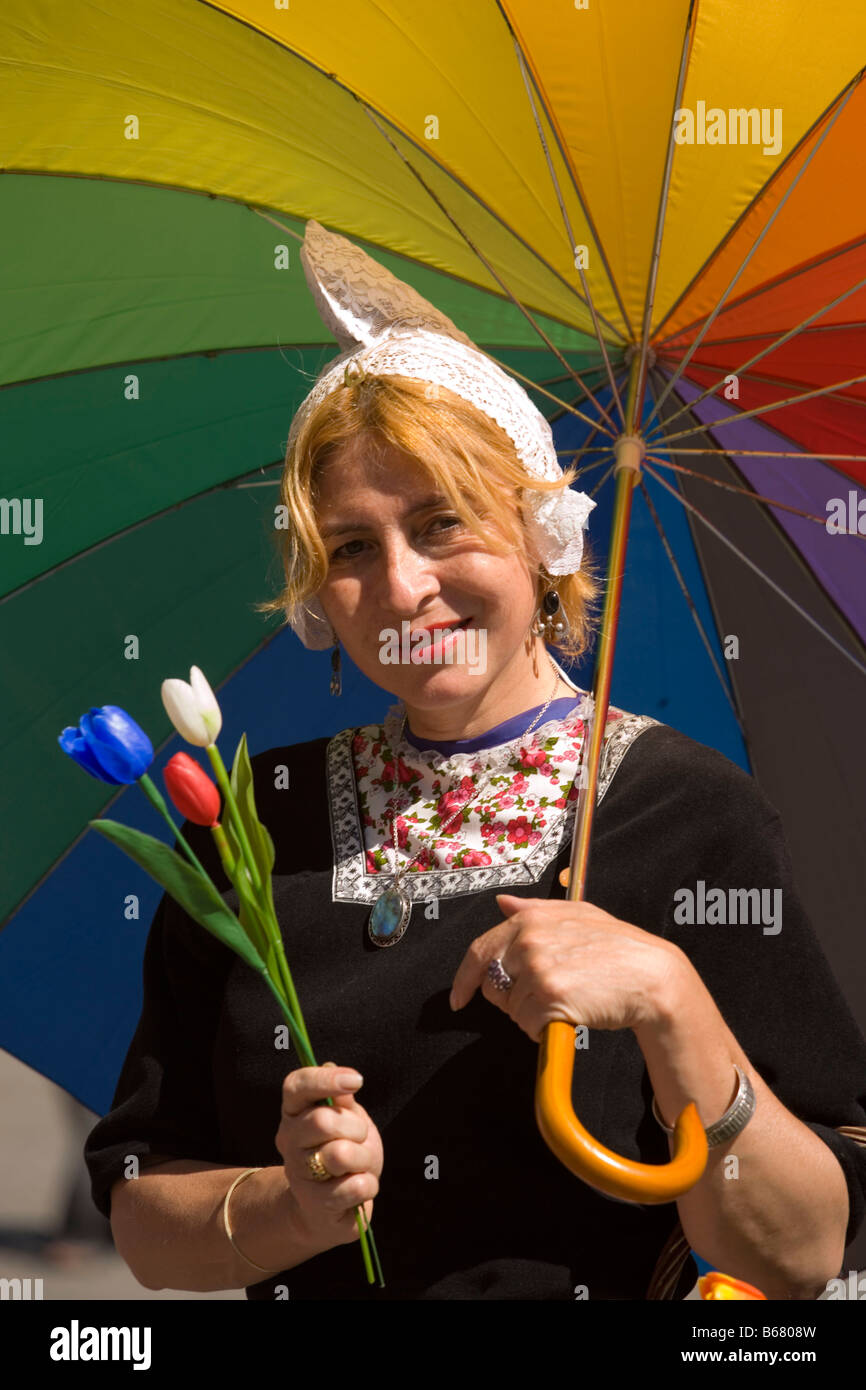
(390, 917)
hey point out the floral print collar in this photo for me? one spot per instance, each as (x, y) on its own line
(462, 839)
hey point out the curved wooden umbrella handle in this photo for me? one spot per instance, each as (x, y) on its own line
(586, 1157)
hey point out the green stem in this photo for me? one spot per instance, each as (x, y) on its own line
(224, 848)
(359, 1211)
(305, 1052)
(154, 795)
(268, 918)
(225, 786)
(264, 914)
(286, 973)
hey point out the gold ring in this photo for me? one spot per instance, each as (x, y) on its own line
(317, 1169)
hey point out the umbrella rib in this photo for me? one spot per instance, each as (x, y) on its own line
(585, 394)
(760, 453)
(854, 402)
(844, 326)
(710, 320)
(745, 492)
(603, 479)
(770, 406)
(474, 196)
(556, 381)
(580, 450)
(476, 250)
(827, 459)
(570, 232)
(564, 405)
(787, 382)
(768, 287)
(771, 347)
(692, 605)
(760, 193)
(557, 413)
(756, 569)
(588, 467)
(526, 68)
(587, 447)
(134, 526)
(797, 556)
(649, 303)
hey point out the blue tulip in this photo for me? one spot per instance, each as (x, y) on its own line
(109, 745)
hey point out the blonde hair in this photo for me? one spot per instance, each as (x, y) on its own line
(467, 456)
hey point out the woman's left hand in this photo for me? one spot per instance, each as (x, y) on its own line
(570, 961)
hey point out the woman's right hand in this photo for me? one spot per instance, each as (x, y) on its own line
(349, 1146)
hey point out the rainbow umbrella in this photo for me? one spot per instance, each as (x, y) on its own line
(650, 218)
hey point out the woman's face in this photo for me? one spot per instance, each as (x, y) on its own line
(400, 556)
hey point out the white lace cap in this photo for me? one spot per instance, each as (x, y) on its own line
(386, 328)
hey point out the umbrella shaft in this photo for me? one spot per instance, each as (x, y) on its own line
(629, 451)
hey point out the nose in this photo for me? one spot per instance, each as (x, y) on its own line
(405, 578)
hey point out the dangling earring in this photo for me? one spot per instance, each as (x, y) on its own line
(336, 682)
(550, 620)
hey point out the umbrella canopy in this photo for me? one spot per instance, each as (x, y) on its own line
(627, 209)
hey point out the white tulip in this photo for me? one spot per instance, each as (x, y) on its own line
(192, 708)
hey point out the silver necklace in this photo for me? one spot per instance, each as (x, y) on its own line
(391, 911)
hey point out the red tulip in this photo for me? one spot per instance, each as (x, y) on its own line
(191, 790)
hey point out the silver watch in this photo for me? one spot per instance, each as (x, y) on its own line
(735, 1118)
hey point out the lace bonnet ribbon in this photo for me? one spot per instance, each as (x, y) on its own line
(386, 328)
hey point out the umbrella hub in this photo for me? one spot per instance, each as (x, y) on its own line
(629, 354)
(629, 450)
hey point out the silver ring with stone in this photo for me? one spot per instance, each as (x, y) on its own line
(498, 975)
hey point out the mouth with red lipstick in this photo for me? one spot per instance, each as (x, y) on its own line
(436, 635)
(442, 629)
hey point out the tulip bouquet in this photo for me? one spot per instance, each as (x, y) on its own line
(110, 746)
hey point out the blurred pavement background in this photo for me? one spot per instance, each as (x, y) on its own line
(49, 1227)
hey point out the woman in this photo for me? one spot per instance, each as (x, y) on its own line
(419, 495)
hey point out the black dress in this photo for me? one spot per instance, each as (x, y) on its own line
(472, 1204)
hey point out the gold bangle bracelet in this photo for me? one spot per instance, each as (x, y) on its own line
(239, 1179)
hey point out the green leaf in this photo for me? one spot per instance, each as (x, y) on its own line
(259, 936)
(197, 896)
(261, 843)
